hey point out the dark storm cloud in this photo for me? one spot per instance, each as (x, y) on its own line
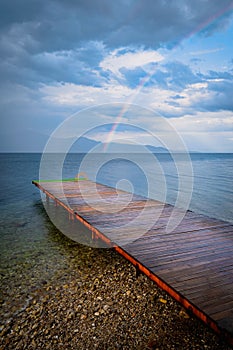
(75, 66)
(57, 40)
(60, 24)
(222, 96)
(13, 12)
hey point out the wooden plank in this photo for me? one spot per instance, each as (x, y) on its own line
(199, 271)
(187, 240)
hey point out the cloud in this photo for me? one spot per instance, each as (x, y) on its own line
(129, 60)
(70, 94)
(208, 131)
(205, 52)
(208, 141)
(59, 56)
(180, 75)
(74, 41)
(219, 96)
(210, 92)
(170, 76)
(205, 122)
(178, 92)
(216, 75)
(79, 66)
(63, 25)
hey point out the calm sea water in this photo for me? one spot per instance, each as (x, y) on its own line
(163, 178)
(32, 249)
(159, 178)
(212, 192)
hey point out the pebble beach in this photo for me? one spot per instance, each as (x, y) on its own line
(89, 298)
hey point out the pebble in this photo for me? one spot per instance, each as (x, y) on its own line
(121, 312)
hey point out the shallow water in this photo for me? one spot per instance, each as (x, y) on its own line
(33, 250)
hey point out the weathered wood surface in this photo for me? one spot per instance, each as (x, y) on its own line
(194, 262)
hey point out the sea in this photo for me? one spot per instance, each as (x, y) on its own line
(32, 248)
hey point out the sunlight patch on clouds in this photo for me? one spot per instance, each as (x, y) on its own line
(129, 60)
(198, 86)
(204, 122)
(82, 95)
(155, 98)
(86, 96)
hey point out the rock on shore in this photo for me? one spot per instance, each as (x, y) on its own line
(95, 301)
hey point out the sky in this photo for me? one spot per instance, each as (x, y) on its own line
(173, 58)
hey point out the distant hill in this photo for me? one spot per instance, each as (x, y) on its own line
(157, 149)
(84, 145)
(32, 141)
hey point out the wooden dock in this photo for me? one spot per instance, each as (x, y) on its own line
(193, 263)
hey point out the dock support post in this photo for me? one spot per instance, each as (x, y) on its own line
(71, 216)
(47, 199)
(138, 271)
(94, 236)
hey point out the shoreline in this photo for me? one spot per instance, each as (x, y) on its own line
(95, 301)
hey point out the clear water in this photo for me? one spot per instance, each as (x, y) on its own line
(32, 250)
